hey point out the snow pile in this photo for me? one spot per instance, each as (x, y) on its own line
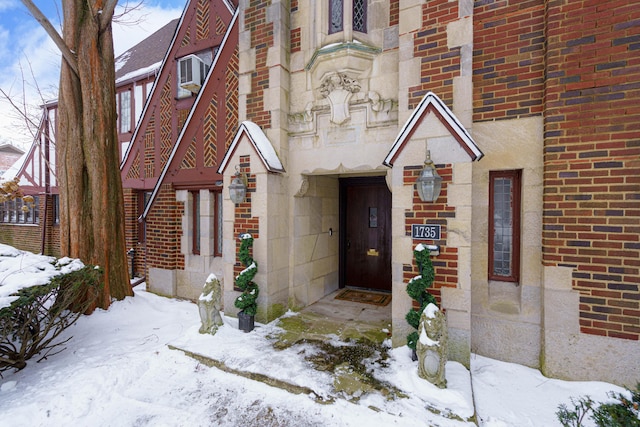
(20, 270)
(118, 370)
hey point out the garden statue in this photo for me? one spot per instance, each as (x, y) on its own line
(432, 346)
(209, 306)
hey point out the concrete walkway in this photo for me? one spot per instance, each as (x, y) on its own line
(346, 320)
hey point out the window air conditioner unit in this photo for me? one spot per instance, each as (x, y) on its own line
(192, 72)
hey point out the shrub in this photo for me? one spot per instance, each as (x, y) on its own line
(417, 290)
(623, 413)
(33, 322)
(246, 302)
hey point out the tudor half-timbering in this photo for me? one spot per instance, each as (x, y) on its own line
(172, 190)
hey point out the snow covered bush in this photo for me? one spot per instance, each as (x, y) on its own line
(623, 412)
(32, 322)
(417, 290)
(246, 302)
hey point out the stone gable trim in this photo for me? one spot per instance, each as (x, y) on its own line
(261, 145)
(431, 103)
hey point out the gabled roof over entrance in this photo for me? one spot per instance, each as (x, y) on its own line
(431, 103)
(260, 143)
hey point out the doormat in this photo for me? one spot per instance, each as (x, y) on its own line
(364, 297)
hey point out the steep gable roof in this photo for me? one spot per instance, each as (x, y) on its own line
(225, 47)
(432, 104)
(156, 90)
(146, 56)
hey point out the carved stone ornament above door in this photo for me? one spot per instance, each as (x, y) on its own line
(338, 88)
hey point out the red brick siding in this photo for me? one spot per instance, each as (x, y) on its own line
(244, 222)
(508, 59)
(592, 159)
(132, 239)
(231, 90)
(164, 231)
(255, 19)
(296, 40)
(394, 12)
(439, 64)
(28, 237)
(446, 264)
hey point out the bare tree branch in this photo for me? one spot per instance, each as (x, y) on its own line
(67, 54)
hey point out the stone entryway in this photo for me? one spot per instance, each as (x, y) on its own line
(345, 319)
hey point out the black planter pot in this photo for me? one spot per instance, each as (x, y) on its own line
(245, 322)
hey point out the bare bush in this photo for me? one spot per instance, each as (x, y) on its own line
(30, 325)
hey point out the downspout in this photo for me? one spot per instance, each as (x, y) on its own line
(47, 180)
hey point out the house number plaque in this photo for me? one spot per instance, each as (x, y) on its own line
(425, 231)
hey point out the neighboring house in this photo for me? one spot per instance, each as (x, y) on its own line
(36, 229)
(327, 111)
(9, 154)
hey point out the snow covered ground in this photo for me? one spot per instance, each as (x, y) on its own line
(118, 370)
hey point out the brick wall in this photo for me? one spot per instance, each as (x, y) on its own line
(508, 59)
(255, 20)
(592, 159)
(164, 231)
(446, 264)
(132, 238)
(439, 64)
(28, 237)
(244, 222)
(394, 12)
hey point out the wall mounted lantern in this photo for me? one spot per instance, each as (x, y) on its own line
(238, 188)
(429, 183)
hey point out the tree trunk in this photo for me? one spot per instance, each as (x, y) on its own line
(91, 202)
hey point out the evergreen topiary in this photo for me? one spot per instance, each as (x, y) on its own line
(246, 302)
(417, 290)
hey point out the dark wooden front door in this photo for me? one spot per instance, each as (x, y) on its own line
(366, 233)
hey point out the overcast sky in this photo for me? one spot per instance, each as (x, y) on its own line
(30, 60)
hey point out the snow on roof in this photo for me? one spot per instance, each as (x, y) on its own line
(260, 142)
(146, 56)
(12, 172)
(146, 71)
(431, 102)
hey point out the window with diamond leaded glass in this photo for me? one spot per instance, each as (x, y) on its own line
(360, 15)
(504, 225)
(337, 14)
